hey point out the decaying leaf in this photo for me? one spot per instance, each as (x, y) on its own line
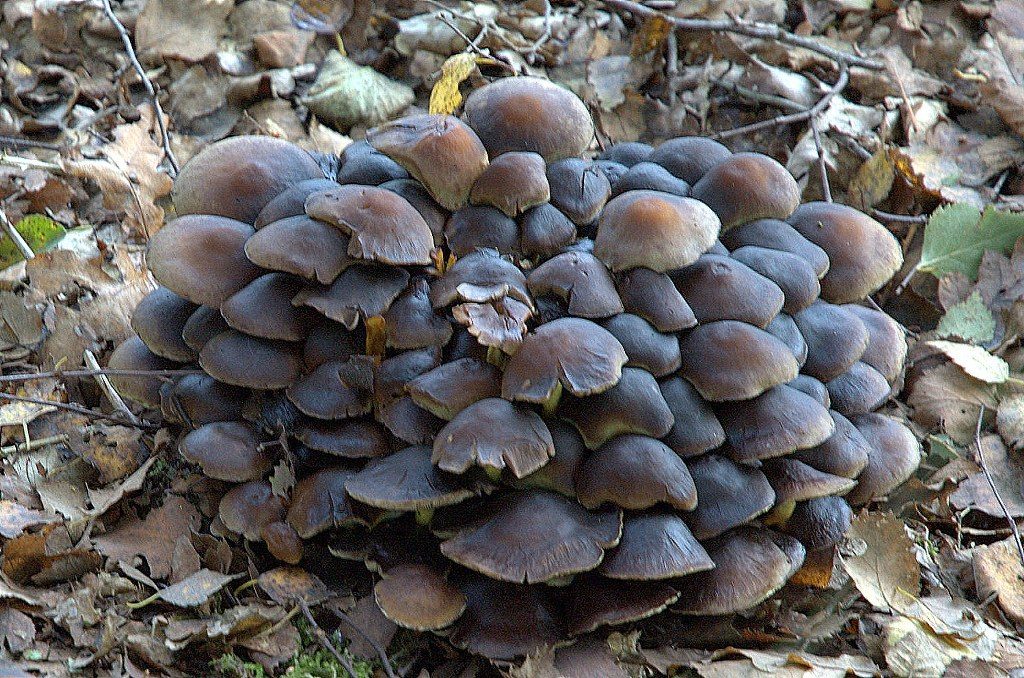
(1007, 472)
(15, 519)
(883, 565)
(975, 361)
(947, 397)
(1010, 420)
(194, 590)
(1002, 63)
(181, 29)
(347, 94)
(286, 585)
(872, 182)
(445, 97)
(999, 572)
(969, 320)
(152, 538)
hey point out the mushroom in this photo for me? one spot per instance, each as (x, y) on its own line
(648, 176)
(729, 495)
(635, 472)
(544, 230)
(580, 279)
(245, 509)
(777, 235)
(282, 542)
(633, 405)
(595, 601)
(408, 422)
(653, 297)
(627, 153)
(197, 399)
(320, 503)
(410, 322)
(820, 522)
(335, 390)
(559, 474)
(132, 354)
(894, 455)
(500, 323)
(612, 171)
(291, 202)
(858, 390)
(887, 344)
(784, 328)
(793, 480)
(479, 226)
(812, 387)
(578, 189)
(394, 374)
(689, 158)
(159, 320)
(432, 213)
(645, 346)
(328, 340)
(241, 360)
(479, 277)
(794, 276)
(845, 453)
(513, 182)
(452, 387)
(836, 339)
(204, 324)
(362, 164)
(696, 429)
(264, 309)
(406, 481)
(351, 439)
(361, 291)
(227, 450)
(418, 597)
(746, 187)
(775, 423)
(721, 288)
(655, 546)
(301, 246)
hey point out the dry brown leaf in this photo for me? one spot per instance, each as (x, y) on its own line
(152, 538)
(194, 590)
(115, 451)
(47, 556)
(16, 629)
(946, 397)
(1007, 475)
(287, 585)
(999, 572)
(181, 29)
(883, 565)
(15, 519)
(1002, 62)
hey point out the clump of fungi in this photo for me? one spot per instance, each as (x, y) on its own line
(536, 392)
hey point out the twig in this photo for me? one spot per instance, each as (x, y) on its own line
(381, 654)
(899, 218)
(15, 237)
(78, 409)
(60, 374)
(325, 642)
(34, 444)
(761, 97)
(165, 139)
(18, 142)
(991, 483)
(108, 389)
(753, 30)
(826, 190)
(33, 163)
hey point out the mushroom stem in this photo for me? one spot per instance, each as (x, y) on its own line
(375, 335)
(496, 357)
(424, 515)
(551, 404)
(780, 515)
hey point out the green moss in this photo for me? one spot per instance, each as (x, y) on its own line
(230, 665)
(312, 661)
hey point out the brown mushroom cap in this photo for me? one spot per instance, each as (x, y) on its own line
(360, 292)
(479, 277)
(653, 297)
(777, 235)
(408, 422)
(394, 374)
(627, 153)
(645, 346)
(649, 176)
(204, 324)
(863, 254)
(775, 423)
(227, 450)
(655, 546)
(406, 481)
(301, 246)
(238, 176)
(241, 360)
(440, 151)
(559, 474)
(578, 189)
(132, 354)
(580, 279)
(245, 509)
(845, 453)
(836, 339)
(500, 323)
(320, 502)
(452, 387)
(335, 390)
(352, 439)
(534, 536)
(812, 387)
(729, 494)
(197, 399)
(362, 164)
(689, 158)
(282, 541)
(495, 434)
(793, 480)
(577, 354)
(530, 114)
(410, 322)
(887, 342)
(794, 275)
(750, 565)
(418, 597)
(820, 522)
(894, 456)
(291, 202)
(859, 390)
(654, 230)
(696, 429)
(544, 230)
(722, 288)
(477, 227)
(202, 258)
(746, 187)
(383, 225)
(730, 360)
(784, 328)
(159, 319)
(513, 182)
(633, 405)
(329, 340)
(420, 199)
(595, 601)
(264, 309)
(635, 472)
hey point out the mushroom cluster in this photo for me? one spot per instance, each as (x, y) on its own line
(537, 392)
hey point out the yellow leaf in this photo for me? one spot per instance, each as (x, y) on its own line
(873, 180)
(651, 35)
(445, 98)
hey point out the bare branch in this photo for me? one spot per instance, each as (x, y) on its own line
(991, 483)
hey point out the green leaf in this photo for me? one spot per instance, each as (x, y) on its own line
(39, 231)
(969, 320)
(955, 237)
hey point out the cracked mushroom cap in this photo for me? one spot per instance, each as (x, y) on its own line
(863, 254)
(410, 322)
(361, 291)
(530, 114)
(335, 390)
(635, 472)
(750, 565)
(775, 423)
(440, 151)
(264, 309)
(301, 246)
(689, 158)
(777, 235)
(544, 230)
(573, 353)
(887, 342)
(451, 387)
(722, 288)
(406, 481)
(731, 360)
(696, 429)
(794, 276)
(820, 522)
(793, 480)
(352, 439)
(845, 453)
(533, 536)
(580, 279)
(227, 450)
(159, 319)
(655, 546)
(241, 360)
(204, 324)
(858, 390)
(133, 354)
(245, 509)
(633, 405)
(237, 177)
(729, 495)
(500, 323)
(383, 226)
(320, 502)
(835, 336)
(494, 434)
(197, 399)
(513, 182)
(594, 601)
(645, 346)
(654, 297)
(418, 597)
(202, 258)
(894, 455)
(654, 230)
(578, 189)
(747, 187)
(291, 202)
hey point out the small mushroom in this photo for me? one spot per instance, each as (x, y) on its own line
(227, 450)
(595, 601)
(479, 226)
(836, 339)
(453, 386)
(635, 472)
(544, 230)
(559, 474)
(418, 597)
(406, 481)
(361, 291)
(500, 323)
(689, 158)
(887, 342)
(197, 399)
(633, 405)
(649, 176)
(696, 429)
(820, 522)
(845, 453)
(812, 387)
(432, 213)
(282, 541)
(408, 422)
(264, 309)
(578, 189)
(479, 277)
(241, 360)
(328, 340)
(777, 235)
(746, 187)
(580, 279)
(410, 322)
(794, 276)
(245, 509)
(291, 202)
(785, 329)
(655, 546)
(858, 390)
(793, 480)
(320, 503)
(159, 320)
(775, 423)
(362, 164)
(627, 153)
(894, 455)
(653, 297)
(645, 346)
(350, 439)
(301, 246)
(513, 182)
(729, 494)
(335, 390)
(204, 324)
(394, 374)
(132, 354)
(721, 288)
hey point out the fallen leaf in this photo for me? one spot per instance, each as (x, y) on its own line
(1010, 420)
(911, 649)
(347, 94)
(115, 451)
(969, 320)
(1007, 471)
(975, 361)
(103, 498)
(287, 585)
(872, 182)
(1002, 64)
(326, 17)
(18, 413)
(16, 629)
(194, 590)
(445, 97)
(181, 29)
(956, 237)
(946, 397)
(883, 565)
(152, 538)
(998, 571)
(15, 519)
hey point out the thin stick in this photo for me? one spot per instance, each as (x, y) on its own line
(60, 374)
(34, 444)
(165, 139)
(899, 218)
(991, 483)
(18, 142)
(826, 190)
(325, 642)
(381, 654)
(761, 98)
(15, 237)
(78, 409)
(108, 389)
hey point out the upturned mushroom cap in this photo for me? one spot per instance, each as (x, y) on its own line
(383, 225)
(237, 177)
(227, 450)
(730, 360)
(689, 158)
(406, 481)
(859, 390)
(410, 322)
(793, 480)
(746, 187)
(534, 536)
(653, 297)
(202, 258)
(559, 474)
(530, 114)
(353, 439)
(291, 202)
(820, 522)
(544, 230)
(845, 453)
(159, 319)
(655, 546)
(577, 354)
(282, 542)
(627, 153)
(722, 288)
(595, 601)
(418, 597)
(812, 387)
(649, 176)
(887, 343)
(479, 277)
(494, 434)
(477, 227)
(580, 279)
(245, 509)
(654, 230)
(360, 292)
(635, 472)
(513, 182)
(197, 399)
(204, 324)
(729, 495)
(335, 390)
(241, 360)
(132, 354)
(696, 429)
(578, 189)
(301, 246)
(645, 346)
(775, 423)
(633, 405)
(750, 565)
(453, 386)
(319, 502)
(500, 323)
(264, 309)
(794, 275)
(777, 235)
(894, 456)
(863, 254)
(836, 339)
(440, 151)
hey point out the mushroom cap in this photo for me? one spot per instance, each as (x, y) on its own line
(894, 456)
(654, 230)
(775, 423)
(328, 340)
(394, 374)
(559, 474)
(301, 246)
(887, 342)
(655, 546)
(649, 176)
(513, 182)
(859, 390)
(777, 235)
(241, 360)
(722, 288)
(578, 189)
(361, 291)
(812, 387)
(633, 405)
(595, 601)
(750, 565)
(612, 170)
(227, 450)
(245, 509)
(132, 354)
(383, 225)
(696, 429)
(408, 422)
(501, 322)
(238, 176)
(264, 309)
(453, 386)
(418, 597)
(729, 494)
(746, 187)
(335, 390)
(410, 322)
(544, 230)
(793, 480)
(645, 346)
(478, 277)
(201, 257)
(495, 434)
(534, 536)
(320, 502)
(845, 453)
(836, 339)
(159, 319)
(282, 542)
(362, 164)
(627, 153)
(793, 274)
(863, 255)
(820, 522)
(730, 360)
(530, 114)
(784, 328)
(689, 158)
(580, 355)
(440, 151)
(477, 227)
(406, 481)
(635, 472)
(580, 279)
(413, 191)
(204, 324)
(351, 439)
(653, 297)
(197, 399)
(291, 202)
